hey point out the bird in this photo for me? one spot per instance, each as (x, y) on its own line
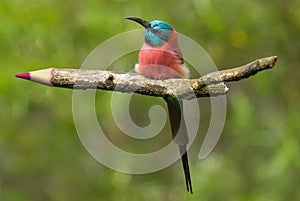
(160, 58)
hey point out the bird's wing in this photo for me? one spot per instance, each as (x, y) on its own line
(179, 56)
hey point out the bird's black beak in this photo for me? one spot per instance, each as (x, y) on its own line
(142, 22)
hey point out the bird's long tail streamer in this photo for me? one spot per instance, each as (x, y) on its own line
(180, 136)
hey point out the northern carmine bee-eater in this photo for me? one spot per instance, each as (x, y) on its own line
(160, 58)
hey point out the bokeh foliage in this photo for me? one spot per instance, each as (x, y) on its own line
(257, 157)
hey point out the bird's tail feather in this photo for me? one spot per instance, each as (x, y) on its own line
(180, 137)
(186, 169)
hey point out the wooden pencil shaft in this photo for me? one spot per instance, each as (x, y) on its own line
(211, 84)
(132, 83)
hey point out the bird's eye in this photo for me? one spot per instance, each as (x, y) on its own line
(155, 26)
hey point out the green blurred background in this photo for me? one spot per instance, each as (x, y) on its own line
(257, 157)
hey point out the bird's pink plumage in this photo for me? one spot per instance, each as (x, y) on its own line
(162, 62)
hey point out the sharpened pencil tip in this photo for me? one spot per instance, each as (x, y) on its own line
(25, 76)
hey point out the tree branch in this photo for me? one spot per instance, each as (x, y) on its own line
(238, 73)
(211, 84)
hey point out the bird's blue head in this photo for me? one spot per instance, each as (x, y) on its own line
(156, 32)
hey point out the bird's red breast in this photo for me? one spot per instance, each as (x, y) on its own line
(162, 62)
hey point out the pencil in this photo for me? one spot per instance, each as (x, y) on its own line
(211, 84)
(78, 78)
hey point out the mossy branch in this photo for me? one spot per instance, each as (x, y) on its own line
(211, 84)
